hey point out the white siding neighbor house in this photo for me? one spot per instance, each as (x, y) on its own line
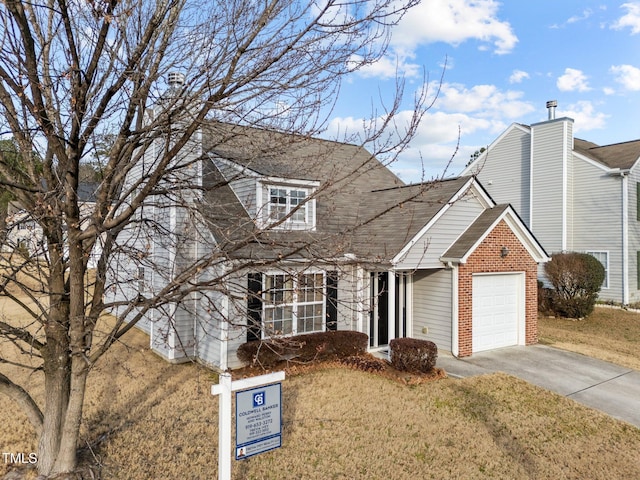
(574, 195)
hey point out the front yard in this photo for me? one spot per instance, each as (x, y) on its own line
(147, 419)
(609, 334)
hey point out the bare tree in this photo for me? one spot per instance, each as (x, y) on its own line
(75, 73)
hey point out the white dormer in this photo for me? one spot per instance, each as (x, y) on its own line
(286, 204)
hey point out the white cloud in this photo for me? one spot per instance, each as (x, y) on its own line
(578, 18)
(608, 91)
(518, 76)
(631, 19)
(387, 67)
(573, 80)
(460, 116)
(585, 116)
(454, 22)
(484, 100)
(627, 75)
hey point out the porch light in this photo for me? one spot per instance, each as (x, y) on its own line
(504, 252)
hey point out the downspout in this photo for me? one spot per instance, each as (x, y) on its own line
(531, 152)
(223, 312)
(172, 253)
(224, 334)
(455, 349)
(360, 296)
(625, 237)
(565, 186)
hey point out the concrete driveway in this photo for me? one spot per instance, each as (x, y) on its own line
(607, 387)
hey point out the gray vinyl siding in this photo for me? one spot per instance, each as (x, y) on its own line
(349, 291)
(505, 171)
(242, 183)
(161, 334)
(550, 142)
(207, 327)
(245, 190)
(426, 252)
(235, 316)
(597, 226)
(432, 306)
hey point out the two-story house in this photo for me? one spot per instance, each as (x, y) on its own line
(574, 195)
(305, 235)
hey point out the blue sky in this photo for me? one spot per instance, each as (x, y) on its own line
(504, 61)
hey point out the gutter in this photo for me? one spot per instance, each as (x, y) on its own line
(624, 175)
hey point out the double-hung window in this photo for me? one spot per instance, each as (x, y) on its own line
(289, 204)
(603, 258)
(293, 304)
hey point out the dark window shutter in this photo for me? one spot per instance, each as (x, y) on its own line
(254, 306)
(332, 300)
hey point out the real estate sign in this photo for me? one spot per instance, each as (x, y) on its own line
(258, 420)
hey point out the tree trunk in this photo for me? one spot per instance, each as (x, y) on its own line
(67, 457)
(56, 362)
(57, 389)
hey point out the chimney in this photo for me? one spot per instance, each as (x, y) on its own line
(176, 80)
(551, 107)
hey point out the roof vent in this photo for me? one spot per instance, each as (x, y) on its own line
(551, 107)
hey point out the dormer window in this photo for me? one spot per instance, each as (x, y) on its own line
(290, 202)
(287, 204)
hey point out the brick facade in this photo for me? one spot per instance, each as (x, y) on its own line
(487, 259)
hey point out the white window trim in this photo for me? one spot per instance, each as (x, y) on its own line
(289, 208)
(294, 302)
(605, 284)
(264, 186)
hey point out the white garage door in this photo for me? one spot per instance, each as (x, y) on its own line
(496, 311)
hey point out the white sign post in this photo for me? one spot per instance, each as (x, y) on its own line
(225, 388)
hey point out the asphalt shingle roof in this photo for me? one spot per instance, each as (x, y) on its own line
(478, 228)
(362, 207)
(619, 155)
(393, 217)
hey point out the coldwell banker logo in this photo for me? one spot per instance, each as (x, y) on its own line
(258, 399)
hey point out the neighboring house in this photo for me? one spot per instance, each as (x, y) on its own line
(24, 234)
(319, 235)
(574, 195)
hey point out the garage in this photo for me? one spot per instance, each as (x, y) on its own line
(497, 311)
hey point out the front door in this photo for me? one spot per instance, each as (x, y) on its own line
(387, 321)
(379, 314)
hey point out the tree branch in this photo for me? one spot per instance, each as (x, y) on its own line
(24, 400)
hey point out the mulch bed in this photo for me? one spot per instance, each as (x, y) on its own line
(365, 363)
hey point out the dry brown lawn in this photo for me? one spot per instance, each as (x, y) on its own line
(146, 419)
(609, 334)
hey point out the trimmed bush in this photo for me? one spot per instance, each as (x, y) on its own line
(309, 347)
(413, 355)
(576, 279)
